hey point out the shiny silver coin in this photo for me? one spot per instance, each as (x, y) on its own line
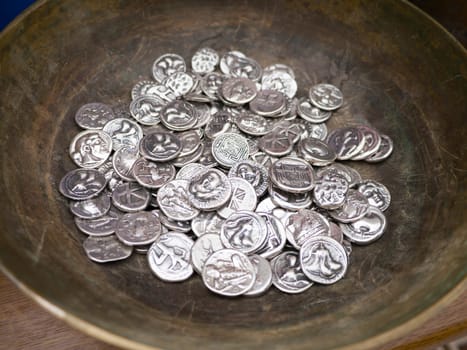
(204, 60)
(253, 172)
(146, 109)
(206, 158)
(152, 89)
(311, 113)
(238, 91)
(141, 87)
(207, 222)
(383, 152)
(203, 114)
(211, 83)
(346, 142)
(245, 231)
(187, 171)
(318, 131)
(181, 161)
(367, 229)
(263, 159)
(292, 174)
(372, 142)
(81, 184)
(91, 208)
(288, 200)
(107, 169)
(266, 206)
(130, 197)
(124, 132)
(173, 201)
(94, 115)
(268, 103)
(170, 257)
(354, 208)
(138, 228)
(350, 174)
(123, 161)
(230, 148)
(190, 142)
(180, 83)
(326, 96)
(304, 225)
(153, 175)
(90, 148)
(278, 67)
(276, 237)
(377, 194)
(102, 226)
(106, 249)
(323, 260)
(227, 59)
(179, 115)
(160, 146)
(316, 152)
(253, 124)
(203, 247)
(219, 124)
(166, 65)
(330, 190)
(277, 143)
(280, 80)
(292, 130)
(245, 67)
(174, 225)
(263, 276)
(243, 198)
(287, 274)
(228, 272)
(335, 232)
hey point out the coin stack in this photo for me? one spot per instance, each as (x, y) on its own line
(227, 174)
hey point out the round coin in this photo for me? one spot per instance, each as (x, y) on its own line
(230, 148)
(371, 145)
(173, 201)
(179, 115)
(377, 194)
(160, 146)
(384, 150)
(311, 113)
(106, 249)
(180, 83)
(243, 198)
(203, 247)
(204, 60)
(138, 228)
(207, 222)
(81, 184)
(354, 208)
(238, 90)
(124, 132)
(263, 275)
(91, 208)
(367, 229)
(287, 274)
(316, 152)
(268, 102)
(102, 226)
(330, 190)
(130, 197)
(346, 142)
(152, 175)
(90, 148)
(302, 226)
(93, 115)
(253, 172)
(123, 161)
(146, 109)
(326, 96)
(166, 65)
(292, 174)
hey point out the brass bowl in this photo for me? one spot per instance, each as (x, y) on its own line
(399, 71)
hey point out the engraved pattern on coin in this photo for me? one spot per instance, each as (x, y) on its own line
(326, 96)
(81, 184)
(384, 151)
(346, 142)
(253, 172)
(90, 148)
(211, 83)
(292, 174)
(138, 228)
(238, 90)
(102, 226)
(179, 115)
(354, 208)
(316, 152)
(243, 198)
(268, 102)
(203, 247)
(280, 81)
(106, 249)
(160, 146)
(93, 115)
(123, 161)
(253, 124)
(204, 60)
(276, 237)
(124, 132)
(173, 201)
(180, 83)
(209, 189)
(377, 194)
(305, 224)
(166, 65)
(371, 144)
(130, 197)
(330, 190)
(318, 131)
(146, 109)
(229, 149)
(153, 175)
(207, 222)
(367, 229)
(311, 113)
(91, 208)
(287, 274)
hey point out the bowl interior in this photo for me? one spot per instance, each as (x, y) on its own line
(398, 71)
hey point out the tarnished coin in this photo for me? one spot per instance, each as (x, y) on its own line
(276, 237)
(146, 109)
(280, 80)
(207, 222)
(288, 200)
(130, 197)
(287, 274)
(311, 113)
(238, 90)
(253, 172)
(371, 144)
(304, 225)
(326, 96)
(211, 83)
(354, 208)
(90, 148)
(180, 83)
(243, 198)
(124, 132)
(166, 65)
(263, 275)
(292, 174)
(377, 194)
(229, 149)
(102, 226)
(204, 60)
(138, 228)
(323, 260)
(209, 189)
(346, 142)
(316, 152)
(203, 247)
(350, 174)
(384, 150)
(179, 115)
(160, 146)
(367, 229)
(153, 175)
(173, 201)
(91, 208)
(330, 190)
(106, 249)
(123, 161)
(268, 102)
(187, 171)
(170, 257)
(81, 184)
(228, 272)
(94, 115)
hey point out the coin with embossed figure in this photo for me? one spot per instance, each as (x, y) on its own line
(350, 174)
(209, 189)
(160, 146)
(305, 224)
(287, 274)
(354, 208)
(383, 152)
(280, 80)
(253, 124)
(318, 131)
(367, 229)
(90, 148)
(138, 228)
(180, 83)
(207, 222)
(146, 109)
(173, 201)
(238, 90)
(346, 142)
(211, 83)
(203, 247)
(326, 96)
(91, 208)
(253, 172)
(130, 197)
(94, 115)
(277, 143)
(316, 152)
(292, 174)
(268, 103)
(377, 194)
(330, 190)
(124, 132)
(152, 89)
(263, 276)
(123, 161)
(102, 226)
(229, 149)
(106, 249)
(166, 65)
(276, 237)
(311, 113)
(153, 175)
(179, 115)
(243, 197)
(81, 184)
(204, 60)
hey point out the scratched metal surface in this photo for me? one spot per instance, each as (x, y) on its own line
(398, 72)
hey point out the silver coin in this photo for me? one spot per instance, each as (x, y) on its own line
(350, 174)
(102, 226)
(173, 201)
(227, 59)
(288, 200)
(207, 159)
(153, 175)
(94, 115)
(180, 83)
(141, 87)
(377, 194)
(266, 206)
(323, 260)
(287, 274)
(107, 169)
(253, 172)
(383, 152)
(316, 152)
(277, 143)
(207, 222)
(346, 142)
(253, 124)
(305, 225)
(372, 142)
(130, 197)
(230, 148)
(153, 89)
(311, 113)
(228, 272)
(187, 171)
(203, 114)
(263, 159)
(219, 123)
(278, 67)
(367, 229)
(179, 115)
(106, 249)
(211, 83)
(318, 131)
(123, 161)
(174, 225)
(326, 96)
(330, 191)
(293, 131)
(81, 184)
(190, 158)
(354, 208)
(245, 231)
(276, 237)
(335, 232)
(190, 141)
(263, 276)
(238, 90)
(124, 132)
(169, 257)
(203, 247)
(160, 146)
(292, 174)
(90, 148)
(204, 60)
(280, 80)
(166, 65)
(91, 208)
(244, 67)
(268, 103)
(138, 228)
(146, 109)
(243, 198)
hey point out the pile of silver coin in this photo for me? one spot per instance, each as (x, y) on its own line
(228, 174)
